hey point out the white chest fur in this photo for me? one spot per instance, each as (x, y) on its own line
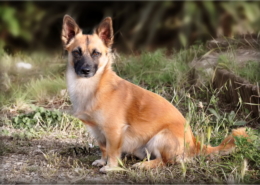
(83, 95)
(81, 91)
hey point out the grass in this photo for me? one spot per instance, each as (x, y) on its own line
(44, 89)
(154, 69)
(248, 70)
(39, 83)
(42, 143)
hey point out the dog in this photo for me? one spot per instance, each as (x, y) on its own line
(121, 116)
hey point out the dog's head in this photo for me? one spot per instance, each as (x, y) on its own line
(87, 53)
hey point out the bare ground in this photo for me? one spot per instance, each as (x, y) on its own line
(48, 160)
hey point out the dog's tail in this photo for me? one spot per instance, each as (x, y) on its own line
(225, 147)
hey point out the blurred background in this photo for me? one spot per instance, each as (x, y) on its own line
(137, 25)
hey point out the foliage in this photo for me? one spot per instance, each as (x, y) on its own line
(41, 122)
(249, 149)
(152, 25)
(19, 21)
(39, 117)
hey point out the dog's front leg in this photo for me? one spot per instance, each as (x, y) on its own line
(103, 160)
(113, 147)
(95, 131)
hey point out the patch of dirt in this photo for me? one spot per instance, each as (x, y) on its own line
(48, 160)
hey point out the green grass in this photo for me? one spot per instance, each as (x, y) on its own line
(249, 70)
(44, 89)
(57, 148)
(41, 122)
(155, 69)
(41, 83)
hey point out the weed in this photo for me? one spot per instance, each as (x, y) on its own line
(39, 117)
(42, 121)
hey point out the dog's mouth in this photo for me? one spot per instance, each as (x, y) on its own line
(86, 71)
(88, 75)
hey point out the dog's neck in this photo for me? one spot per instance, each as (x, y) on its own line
(84, 89)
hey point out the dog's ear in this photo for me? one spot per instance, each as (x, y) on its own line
(69, 29)
(105, 31)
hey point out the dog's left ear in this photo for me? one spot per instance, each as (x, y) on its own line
(105, 31)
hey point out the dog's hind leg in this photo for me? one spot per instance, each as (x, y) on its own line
(150, 164)
(165, 147)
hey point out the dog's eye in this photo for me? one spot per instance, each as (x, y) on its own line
(95, 53)
(76, 54)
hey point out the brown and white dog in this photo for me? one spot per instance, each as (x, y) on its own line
(121, 116)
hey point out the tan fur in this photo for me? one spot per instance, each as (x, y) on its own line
(124, 117)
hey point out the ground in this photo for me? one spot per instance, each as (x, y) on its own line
(42, 143)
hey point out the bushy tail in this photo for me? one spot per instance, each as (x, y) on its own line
(225, 147)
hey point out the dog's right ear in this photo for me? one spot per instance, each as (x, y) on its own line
(69, 30)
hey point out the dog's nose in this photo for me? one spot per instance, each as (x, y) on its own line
(85, 70)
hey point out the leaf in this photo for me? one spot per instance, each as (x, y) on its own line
(16, 119)
(183, 39)
(36, 115)
(41, 109)
(231, 116)
(209, 52)
(209, 133)
(25, 119)
(116, 169)
(14, 27)
(212, 111)
(33, 107)
(239, 123)
(120, 162)
(9, 17)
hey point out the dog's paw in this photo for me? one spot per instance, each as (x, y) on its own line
(99, 162)
(104, 169)
(137, 165)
